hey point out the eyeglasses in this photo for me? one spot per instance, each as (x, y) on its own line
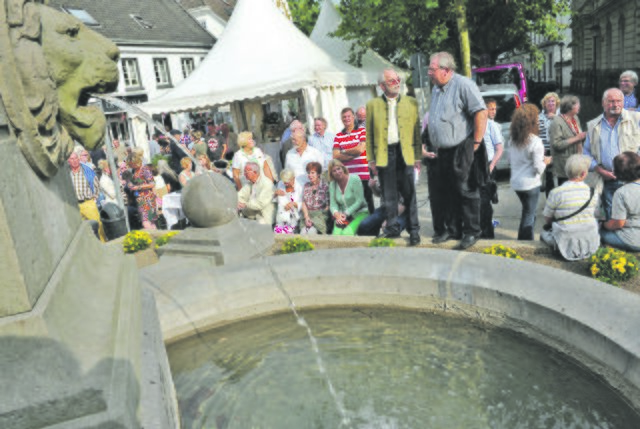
(393, 81)
(435, 69)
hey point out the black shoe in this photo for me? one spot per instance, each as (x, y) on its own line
(389, 234)
(441, 238)
(467, 241)
(414, 239)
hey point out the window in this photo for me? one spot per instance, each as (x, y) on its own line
(147, 25)
(82, 15)
(551, 66)
(187, 66)
(130, 72)
(161, 69)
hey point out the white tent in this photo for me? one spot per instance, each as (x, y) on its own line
(340, 49)
(259, 55)
(328, 22)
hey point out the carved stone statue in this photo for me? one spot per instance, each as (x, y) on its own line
(50, 64)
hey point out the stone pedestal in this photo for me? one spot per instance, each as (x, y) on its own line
(72, 353)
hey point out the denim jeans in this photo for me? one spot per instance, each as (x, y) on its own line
(611, 238)
(610, 187)
(529, 200)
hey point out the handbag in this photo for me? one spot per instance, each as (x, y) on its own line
(548, 226)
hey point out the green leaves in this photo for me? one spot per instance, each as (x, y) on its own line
(398, 28)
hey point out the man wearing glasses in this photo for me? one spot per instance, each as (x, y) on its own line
(393, 150)
(457, 122)
(628, 82)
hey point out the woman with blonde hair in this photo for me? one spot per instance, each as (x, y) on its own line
(205, 162)
(550, 104)
(528, 162)
(248, 152)
(346, 199)
(565, 135)
(186, 174)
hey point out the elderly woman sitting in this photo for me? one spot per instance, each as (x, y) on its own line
(623, 229)
(289, 200)
(347, 203)
(315, 201)
(571, 227)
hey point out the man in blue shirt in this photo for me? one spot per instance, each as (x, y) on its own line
(457, 122)
(628, 82)
(608, 135)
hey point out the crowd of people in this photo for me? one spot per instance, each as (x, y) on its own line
(328, 180)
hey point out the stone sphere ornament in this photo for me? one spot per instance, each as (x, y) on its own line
(209, 200)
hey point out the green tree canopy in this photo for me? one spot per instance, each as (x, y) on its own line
(304, 14)
(398, 28)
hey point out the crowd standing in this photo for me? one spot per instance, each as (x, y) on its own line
(591, 177)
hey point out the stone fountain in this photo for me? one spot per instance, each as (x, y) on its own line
(80, 345)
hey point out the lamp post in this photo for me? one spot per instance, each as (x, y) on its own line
(561, 44)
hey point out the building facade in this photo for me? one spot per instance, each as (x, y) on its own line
(605, 38)
(160, 45)
(558, 58)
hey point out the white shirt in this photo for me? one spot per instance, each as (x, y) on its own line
(298, 163)
(393, 136)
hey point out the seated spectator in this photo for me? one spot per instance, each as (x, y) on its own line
(347, 204)
(570, 226)
(186, 174)
(373, 223)
(288, 202)
(106, 182)
(142, 185)
(169, 176)
(205, 163)
(255, 198)
(315, 202)
(623, 229)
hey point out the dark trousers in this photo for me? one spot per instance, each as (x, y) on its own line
(486, 209)
(529, 200)
(397, 178)
(368, 196)
(455, 203)
(371, 224)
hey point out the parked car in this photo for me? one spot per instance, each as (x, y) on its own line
(507, 101)
(501, 74)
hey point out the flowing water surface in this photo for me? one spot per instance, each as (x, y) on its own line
(391, 369)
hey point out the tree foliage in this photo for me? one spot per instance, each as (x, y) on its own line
(305, 14)
(398, 28)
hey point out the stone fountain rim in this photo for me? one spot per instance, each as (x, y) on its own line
(588, 320)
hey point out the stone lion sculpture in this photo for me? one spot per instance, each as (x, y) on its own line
(50, 65)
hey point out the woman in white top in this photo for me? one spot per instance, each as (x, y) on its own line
(527, 164)
(248, 152)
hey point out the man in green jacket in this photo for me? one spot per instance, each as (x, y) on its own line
(394, 150)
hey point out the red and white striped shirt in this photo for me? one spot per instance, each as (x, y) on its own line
(344, 141)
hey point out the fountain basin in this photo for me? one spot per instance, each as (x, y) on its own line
(592, 322)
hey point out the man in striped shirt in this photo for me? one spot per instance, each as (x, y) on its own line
(349, 146)
(87, 188)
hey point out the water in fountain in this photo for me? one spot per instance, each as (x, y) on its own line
(395, 369)
(133, 110)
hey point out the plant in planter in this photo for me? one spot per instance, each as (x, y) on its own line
(135, 241)
(613, 266)
(503, 251)
(164, 239)
(382, 242)
(295, 245)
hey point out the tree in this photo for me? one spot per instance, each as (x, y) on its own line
(398, 28)
(305, 14)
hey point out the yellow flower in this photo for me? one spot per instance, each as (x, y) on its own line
(606, 257)
(594, 270)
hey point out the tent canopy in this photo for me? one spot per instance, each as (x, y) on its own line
(260, 54)
(328, 22)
